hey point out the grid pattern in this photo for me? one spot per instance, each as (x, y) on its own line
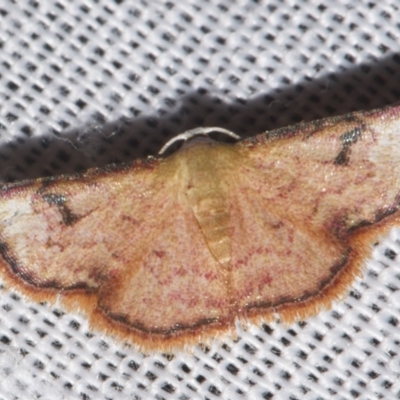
(85, 83)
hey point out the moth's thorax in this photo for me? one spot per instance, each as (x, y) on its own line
(206, 164)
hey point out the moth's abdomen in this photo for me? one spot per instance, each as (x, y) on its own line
(211, 210)
(209, 198)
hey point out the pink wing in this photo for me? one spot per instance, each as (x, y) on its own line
(309, 202)
(125, 236)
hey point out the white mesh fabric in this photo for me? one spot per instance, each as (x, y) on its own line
(85, 83)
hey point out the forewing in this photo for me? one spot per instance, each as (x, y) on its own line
(127, 235)
(300, 198)
(71, 232)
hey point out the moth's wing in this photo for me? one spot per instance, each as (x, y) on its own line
(69, 232)
(308, 203)
(126, 235)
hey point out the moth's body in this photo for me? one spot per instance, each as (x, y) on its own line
(169, 251)
(204, 187)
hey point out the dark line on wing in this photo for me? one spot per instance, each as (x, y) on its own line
(160, 331)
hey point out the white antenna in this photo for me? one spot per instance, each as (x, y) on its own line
(197, 131)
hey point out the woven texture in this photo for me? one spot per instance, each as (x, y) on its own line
(85, 83)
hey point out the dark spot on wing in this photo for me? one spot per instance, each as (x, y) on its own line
(59, 200)
(348, 139)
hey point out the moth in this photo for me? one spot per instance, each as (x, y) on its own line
(172, 251)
